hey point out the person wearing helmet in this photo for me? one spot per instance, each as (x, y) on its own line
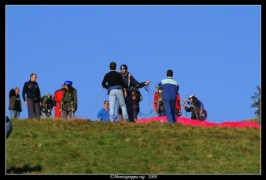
(194, 106)
(116, 87)
(47, 104)
(69, 101)
(31, 95)
(170, 91)
(131, 83)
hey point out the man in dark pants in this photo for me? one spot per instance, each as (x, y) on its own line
(130, 83)
(33, 101)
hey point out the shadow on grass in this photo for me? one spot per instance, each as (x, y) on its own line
(25, 169)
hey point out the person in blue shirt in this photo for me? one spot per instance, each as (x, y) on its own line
(170, 91)
(103, 114)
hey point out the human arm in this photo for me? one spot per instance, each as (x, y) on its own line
(24, 91)
(104, 81)
(99, 115)
(75, 100)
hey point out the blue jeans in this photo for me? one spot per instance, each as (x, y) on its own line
(8, 128)
(14, 114)
(114, 95)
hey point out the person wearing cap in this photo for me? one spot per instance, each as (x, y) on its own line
(194, 106)
(31, 95)
(170, 91)
(47, 104)
(116, 87)
(57, 98)
(70, 101)
(130, 83)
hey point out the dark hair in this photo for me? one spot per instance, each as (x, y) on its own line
(169, 73)
(112, 65)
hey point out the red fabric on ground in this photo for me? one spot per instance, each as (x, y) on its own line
(188, 122)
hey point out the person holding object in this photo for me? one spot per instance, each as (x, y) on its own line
(116, 87)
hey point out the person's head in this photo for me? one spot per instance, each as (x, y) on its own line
(106, 103)
(112, 66)
(16, 90)
(191, 97)
(123, 68)
(67, 84)
(169, 73)
(49, 96)
(33, 77)
(160, 89)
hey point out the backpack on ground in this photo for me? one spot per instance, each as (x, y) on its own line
(203, 112)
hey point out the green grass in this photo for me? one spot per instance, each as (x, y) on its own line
(85, 147)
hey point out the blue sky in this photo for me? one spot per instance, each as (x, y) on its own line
(214, 51)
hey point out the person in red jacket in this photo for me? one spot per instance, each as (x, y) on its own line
(58, 96)
(155, 98)
(178, 106)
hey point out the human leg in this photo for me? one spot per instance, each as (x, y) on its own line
(129, 105)
(37, 110)
(168, 111)
(112, 101)
(30, 108)
(135, 110)
(17, 115)
(122, 103)
(12, 114)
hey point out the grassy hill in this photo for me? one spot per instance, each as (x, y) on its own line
(85, 147)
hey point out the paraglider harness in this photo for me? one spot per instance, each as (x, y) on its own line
(49, 104)
(200, 112)
(134, 91)
(62, 104)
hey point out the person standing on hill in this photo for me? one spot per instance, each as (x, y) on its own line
(58, 97)
(160, 109)
(130, 83)
(178, 106)
(15, 105)
(70, 101)
(115, 86)
(170, 91)
(33, 101)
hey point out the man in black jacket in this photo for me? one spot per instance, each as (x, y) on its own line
(33, 99)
